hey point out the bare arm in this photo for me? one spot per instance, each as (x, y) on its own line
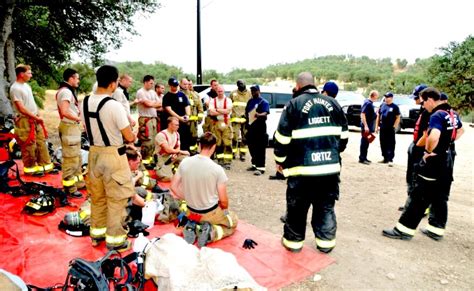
(432, 140)
(176, 187)
(460, 131)
(19, 105)
(364, 122)
(377, 123)
(397, 121)
(223, 198)
(172, 113)
(128, 135)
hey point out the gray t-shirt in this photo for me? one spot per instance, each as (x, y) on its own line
(64, 94)
(200, 177)
(22, 92)
(113, 118)
(142, 109)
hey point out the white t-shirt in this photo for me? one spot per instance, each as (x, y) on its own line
(149, 95)
(200, 177)
(113, 118)
(220, 105)
(120, 97)
(64, 94)
(164, 136)
(22, 92)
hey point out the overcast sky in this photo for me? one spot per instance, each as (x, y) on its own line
(255, 33)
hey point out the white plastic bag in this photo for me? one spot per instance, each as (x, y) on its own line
(149, 212)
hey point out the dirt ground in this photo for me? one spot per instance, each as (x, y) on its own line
(369, 199)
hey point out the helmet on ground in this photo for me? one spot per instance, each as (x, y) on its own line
(40, 205)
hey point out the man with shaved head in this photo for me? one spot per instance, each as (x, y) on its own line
(310, 136)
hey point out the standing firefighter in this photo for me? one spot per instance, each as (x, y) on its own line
(70, 133)
(239, 98)
(29, 126)
(310, 136)
(434, 173)
(197, 114)
(110, 179)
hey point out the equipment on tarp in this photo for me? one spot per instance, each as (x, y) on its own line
(40, 205)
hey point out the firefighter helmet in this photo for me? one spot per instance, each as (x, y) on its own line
(40, 205)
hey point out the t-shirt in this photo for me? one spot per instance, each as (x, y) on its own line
(369, 111)
(22, 92)
(177, 101)
(120, 96)
(64, 94)
(149, 95)
(219, 104)
(388, 115)
(113, 118)
(442, 120)
(164, 136)
(200, 177)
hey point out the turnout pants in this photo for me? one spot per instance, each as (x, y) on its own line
(110, 187)
(257, 141)
(166, 165)
(387, 143)
(32, 142)
(321, 192)
(193, 145)
(431, 187)
(222, 225)
(70, 135)
(223, 132)
(147, 127)
(239, 146)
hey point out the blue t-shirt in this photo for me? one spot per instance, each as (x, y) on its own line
(388, 115)
(259, 103)
(445, 121)
(177, 101)
(369, 111)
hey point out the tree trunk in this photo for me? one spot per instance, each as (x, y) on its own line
(7, 15)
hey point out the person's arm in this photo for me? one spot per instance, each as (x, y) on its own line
(364, 121)
(431, 142)
(169, 150)
(172, 113)
(128, 135)
(459, 133)
(377, 122)
(64, 109)
(138, 201)
(222, 194)
(397, 121)
(175, 186)
(22, 109)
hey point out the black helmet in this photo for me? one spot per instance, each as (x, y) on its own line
(73, 224)
(40, 205)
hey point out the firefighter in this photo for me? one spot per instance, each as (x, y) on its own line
(70, 132)
(148, 102)
(29, 126)
(109, 183)
(207, 126)
(310, 136)
(239, 98)
(219, 109)
(434, 172)
(197, 113)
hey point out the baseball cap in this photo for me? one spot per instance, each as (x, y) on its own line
(416, 92)
(331, 89)
(255, 88)
(443, 96)
(388, 94)
(173, 82)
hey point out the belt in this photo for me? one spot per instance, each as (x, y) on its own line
(110, 149)
(204, 210)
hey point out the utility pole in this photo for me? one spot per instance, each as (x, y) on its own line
(199, 69)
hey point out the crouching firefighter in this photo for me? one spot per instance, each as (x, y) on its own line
(110, 182)
(434, 173)
(311, 134)
(70, 133)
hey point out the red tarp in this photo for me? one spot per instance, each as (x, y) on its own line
(33, 248)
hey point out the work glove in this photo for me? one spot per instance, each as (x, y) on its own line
(249, 244)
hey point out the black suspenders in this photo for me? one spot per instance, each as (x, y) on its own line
(95, 115)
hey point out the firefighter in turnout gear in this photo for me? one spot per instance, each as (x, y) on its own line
(310, 136)
(434, 172)
(110, 179)
(219, 109)
(197, 114)
(29, 126)
(70, 133)
(239, 98)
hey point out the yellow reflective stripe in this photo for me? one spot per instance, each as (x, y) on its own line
(193, 118)
(79, 178)
(200, 115)
(98, 232)
(149, 196)
(316, 131)
(234, 150)
(231, 224)
(325, 243)
(219, 232)
(147, 161)
(295, 245)
(115, 240)
(228, 156)
(145, 173)
(344, 134)
(191, 101)
(146, 181)
(279, 159)
(281, 138)
(426, 178)
(69, 183)
(243, 150)
(404, 229)
(194, 147)
(238, 119)
(11, 144)
(312, 170)
(46, 167)
(435, 230)
(220, 156)
(84, 213)
(30, 169)
(239, 103)
(261, 168)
